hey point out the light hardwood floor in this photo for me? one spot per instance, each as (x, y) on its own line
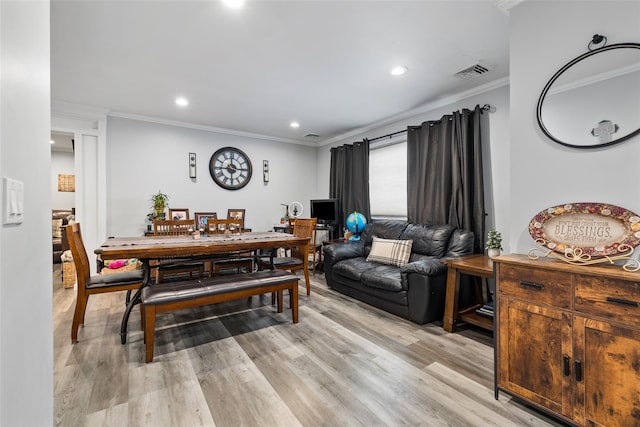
(241, 363)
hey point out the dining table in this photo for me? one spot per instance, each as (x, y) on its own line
(197, 247)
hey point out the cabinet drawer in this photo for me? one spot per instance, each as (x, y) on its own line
(536, 285)
(612, 299)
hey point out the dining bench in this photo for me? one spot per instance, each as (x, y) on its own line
(170, 296)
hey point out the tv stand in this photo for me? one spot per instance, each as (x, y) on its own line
(331, 227)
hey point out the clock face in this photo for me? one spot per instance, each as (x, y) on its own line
(230, 168)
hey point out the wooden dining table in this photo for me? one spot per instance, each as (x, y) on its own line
(151, 248)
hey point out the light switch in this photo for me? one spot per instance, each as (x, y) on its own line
(13, 191)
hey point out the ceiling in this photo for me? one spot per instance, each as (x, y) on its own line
(324, 64)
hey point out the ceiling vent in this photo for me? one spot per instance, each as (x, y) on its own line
(312, 135)
(472, 72)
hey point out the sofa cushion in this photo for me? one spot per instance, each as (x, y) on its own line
(385, 277)
(392, 252)
(351, 268)
(431, 240)
(387, 229)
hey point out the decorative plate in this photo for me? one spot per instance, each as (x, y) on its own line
(595, 230)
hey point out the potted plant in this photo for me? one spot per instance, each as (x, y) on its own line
(159, 201)
(494, 242)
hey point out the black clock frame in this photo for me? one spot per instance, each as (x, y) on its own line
(232, 151)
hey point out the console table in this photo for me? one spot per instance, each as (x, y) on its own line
(479, 266)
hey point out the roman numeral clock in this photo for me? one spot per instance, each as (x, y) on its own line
(230, 168)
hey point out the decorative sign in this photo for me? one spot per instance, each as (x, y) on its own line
(66, 183)
(586, 230)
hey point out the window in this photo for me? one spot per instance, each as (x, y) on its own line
(388, 179)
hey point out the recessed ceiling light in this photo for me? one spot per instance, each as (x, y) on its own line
(295, 125)
(399, 70)
(234, 4)
(52, 141)
(181, 102)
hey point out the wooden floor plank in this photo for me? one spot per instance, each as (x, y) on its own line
(242, 363)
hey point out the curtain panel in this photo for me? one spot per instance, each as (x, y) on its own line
(349, 178)
(444, 173)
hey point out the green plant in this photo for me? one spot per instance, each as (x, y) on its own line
(494, 239)
(159, 201)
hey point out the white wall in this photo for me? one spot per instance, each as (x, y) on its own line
(545, 35)
(145, 157)
(61, 163)
(495, 153)
(26, 327)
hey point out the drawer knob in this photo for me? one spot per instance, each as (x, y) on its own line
(536, 286)
(622, 301)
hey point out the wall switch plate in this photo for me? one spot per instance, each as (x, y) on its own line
(13, 201)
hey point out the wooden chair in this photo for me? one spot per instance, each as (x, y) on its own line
(314, 247)
(299, 259)
(175, 227)
(93, 284)
(239, 260)
(220, 226)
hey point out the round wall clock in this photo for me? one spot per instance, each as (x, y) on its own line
(230, 168)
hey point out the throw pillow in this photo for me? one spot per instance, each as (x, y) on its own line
(392, 252)
(56, 228)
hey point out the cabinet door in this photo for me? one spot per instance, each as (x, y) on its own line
(534, 350)
(608, 392)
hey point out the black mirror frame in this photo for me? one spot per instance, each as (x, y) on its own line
(559, 73)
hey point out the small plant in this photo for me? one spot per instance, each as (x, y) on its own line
(159, 203)
(494, 239)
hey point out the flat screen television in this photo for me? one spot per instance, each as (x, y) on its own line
(327, 211)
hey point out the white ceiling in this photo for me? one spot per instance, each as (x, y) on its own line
(324, 64)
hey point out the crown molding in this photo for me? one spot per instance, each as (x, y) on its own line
(420, 110)
(206, 128)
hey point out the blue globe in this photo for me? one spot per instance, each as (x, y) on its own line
(355, 224)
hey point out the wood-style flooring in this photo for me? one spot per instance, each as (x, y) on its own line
(242, 364)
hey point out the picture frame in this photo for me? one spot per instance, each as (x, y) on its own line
(202, 217)
(178, 213)
(236, 214)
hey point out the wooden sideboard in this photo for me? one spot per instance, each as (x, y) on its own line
(568, 339)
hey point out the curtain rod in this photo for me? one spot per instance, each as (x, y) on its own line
(485, 107)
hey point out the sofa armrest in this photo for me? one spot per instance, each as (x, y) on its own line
(429, 267)
(426, 287)
(340, 251)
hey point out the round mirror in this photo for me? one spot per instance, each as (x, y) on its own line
(594, 100)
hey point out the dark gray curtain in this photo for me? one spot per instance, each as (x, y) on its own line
(444, 170)
(349, 179)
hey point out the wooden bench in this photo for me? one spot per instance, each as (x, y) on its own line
(169, 296)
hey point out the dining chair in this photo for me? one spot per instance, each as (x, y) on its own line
(221, 226)
(314, 247)
(299, 258)
(93, 284)
(236, 260)
(175, 227)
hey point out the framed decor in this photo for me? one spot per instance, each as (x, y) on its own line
(236, 214)
(586, 232)
(202, 219)
(178, 213)
(66, 183)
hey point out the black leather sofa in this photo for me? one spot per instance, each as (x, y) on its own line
(415, 291)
